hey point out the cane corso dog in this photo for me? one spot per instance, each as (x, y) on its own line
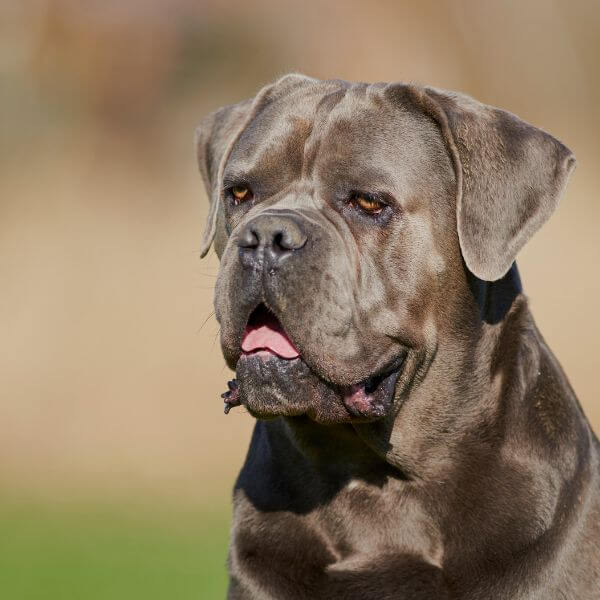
(415, 436)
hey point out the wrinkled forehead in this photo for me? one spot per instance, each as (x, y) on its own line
(330, 130)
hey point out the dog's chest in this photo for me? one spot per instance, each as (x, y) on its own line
(367, 520)
(363, 532)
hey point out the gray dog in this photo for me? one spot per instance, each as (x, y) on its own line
(416, 437)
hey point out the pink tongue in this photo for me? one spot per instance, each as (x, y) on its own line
(268, 335)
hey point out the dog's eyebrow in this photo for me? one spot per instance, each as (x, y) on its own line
(371, 179)
(362, 178)
(237, 175)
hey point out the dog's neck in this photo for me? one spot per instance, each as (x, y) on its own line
(463, 398)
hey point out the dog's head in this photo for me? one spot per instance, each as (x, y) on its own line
(346, 217)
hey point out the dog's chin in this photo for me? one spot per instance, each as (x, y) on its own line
(270, 386)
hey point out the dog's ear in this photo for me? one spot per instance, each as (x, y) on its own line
(215, 134)
(215, 137)
(510, 176)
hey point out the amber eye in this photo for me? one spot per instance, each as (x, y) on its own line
(241, 193)
(368, 203)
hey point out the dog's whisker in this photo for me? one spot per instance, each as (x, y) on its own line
(215, 339)
(212, 314)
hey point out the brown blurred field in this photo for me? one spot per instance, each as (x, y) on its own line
(110, 368)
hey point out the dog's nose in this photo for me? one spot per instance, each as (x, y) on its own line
(275, 236)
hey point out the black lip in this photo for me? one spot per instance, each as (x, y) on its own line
(286, 375)
(380, 390)
(392, 367)
(372, 382)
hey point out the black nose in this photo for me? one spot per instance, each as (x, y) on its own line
(272, 236)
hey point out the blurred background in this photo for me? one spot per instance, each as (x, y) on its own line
(116, 461)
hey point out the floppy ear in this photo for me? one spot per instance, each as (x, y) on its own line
(510, 176)
(214, 137)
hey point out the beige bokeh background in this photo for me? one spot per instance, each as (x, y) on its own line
(110, 367)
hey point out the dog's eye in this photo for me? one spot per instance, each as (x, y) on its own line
(240, 193)
(368, 203)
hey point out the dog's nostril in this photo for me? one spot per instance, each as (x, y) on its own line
(248, 239)
(279, 242)
(285, 241)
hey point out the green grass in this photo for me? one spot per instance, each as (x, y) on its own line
(109, 553)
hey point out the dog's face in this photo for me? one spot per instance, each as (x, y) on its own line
(331, 200)
(341, 242)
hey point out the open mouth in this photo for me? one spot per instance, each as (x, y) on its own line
(265, 332)
(271, 365)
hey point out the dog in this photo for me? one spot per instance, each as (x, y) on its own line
(415, 436)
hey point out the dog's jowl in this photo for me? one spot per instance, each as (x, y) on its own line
(415, 437)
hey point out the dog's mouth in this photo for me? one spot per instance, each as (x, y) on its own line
(265, 332)
(272, 379)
